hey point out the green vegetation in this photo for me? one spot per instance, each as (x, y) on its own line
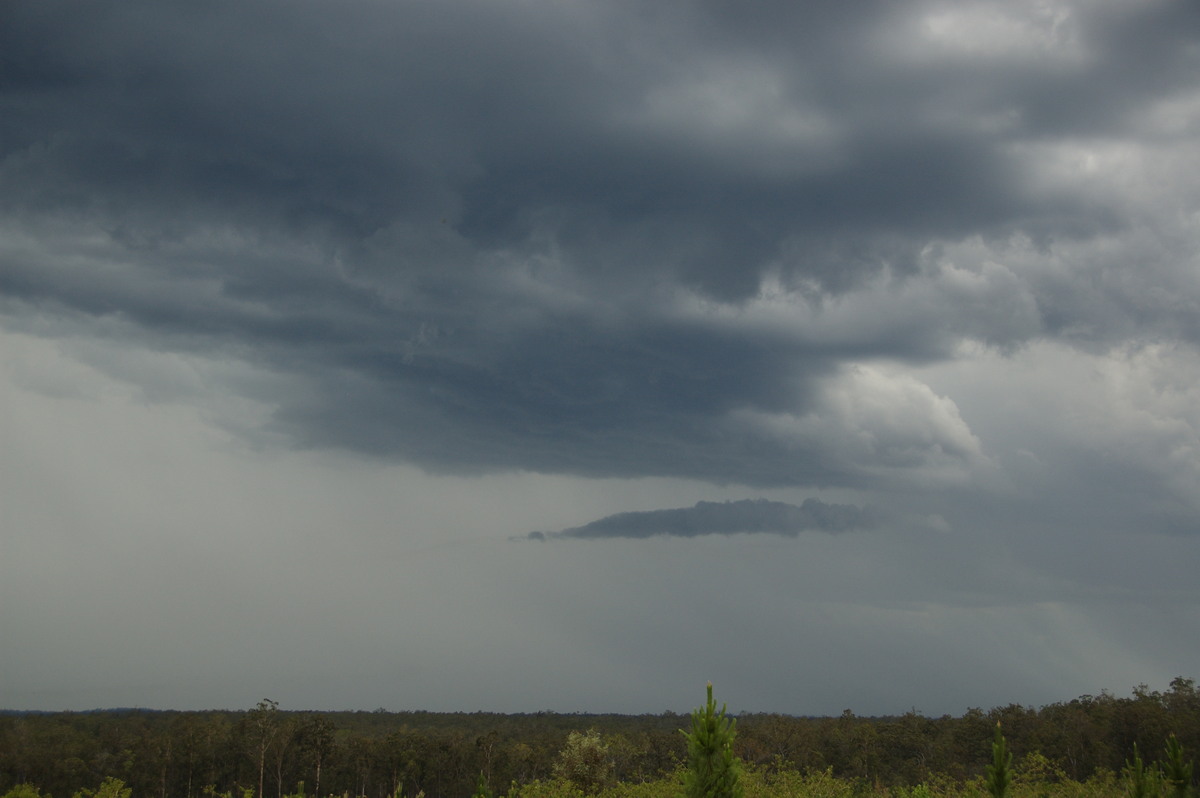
(109, 788)
(24, 791)
(712, 768)
(1142, 781)
(585, 762)
(999, 772)
(481, 788)
(1090, 747)
(1176, 774)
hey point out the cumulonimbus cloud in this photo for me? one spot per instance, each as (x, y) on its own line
(725, 518)
(710, 257)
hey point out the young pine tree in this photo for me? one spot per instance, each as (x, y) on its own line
(1176, 773)
(999, 772)
(712, 769)
(1141, 781)
(481, 788)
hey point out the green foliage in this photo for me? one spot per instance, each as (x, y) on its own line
(553, 788)
(109, 788)
(1141, 781)
(1036, 767)
(585, 762)
(1177, 775)
(712, 769)
(785, 781)
(1101, 784)
(659, 788)
(481, 788)
(999, 771)
(1077, 749)
(780, 779)
(24, 791)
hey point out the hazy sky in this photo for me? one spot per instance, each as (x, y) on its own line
(844, 354)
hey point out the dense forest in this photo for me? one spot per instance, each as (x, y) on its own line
(1080, 747)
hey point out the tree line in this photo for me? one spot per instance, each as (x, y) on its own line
(271, 752)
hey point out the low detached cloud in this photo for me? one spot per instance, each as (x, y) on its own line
(725, 518)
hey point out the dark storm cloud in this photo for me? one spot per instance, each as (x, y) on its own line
(298, 293)
(725, 518)
(467, 227)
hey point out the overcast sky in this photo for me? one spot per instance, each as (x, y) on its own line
(566, 355)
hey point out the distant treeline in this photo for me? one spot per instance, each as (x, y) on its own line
(276, 752)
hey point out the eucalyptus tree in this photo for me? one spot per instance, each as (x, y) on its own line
(261, 726)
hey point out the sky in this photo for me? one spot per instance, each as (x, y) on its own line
(566, 355)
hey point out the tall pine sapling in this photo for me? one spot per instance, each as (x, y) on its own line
(481, 788)
(999, 772)
(1177, 774)
(712, 769)
(1141, 781)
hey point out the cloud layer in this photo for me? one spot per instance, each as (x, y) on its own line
(562, 240)
(508, 266)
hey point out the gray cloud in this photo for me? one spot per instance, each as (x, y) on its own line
(725, 518)
(473, 241)
(934, 257)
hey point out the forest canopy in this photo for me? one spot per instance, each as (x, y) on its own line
(273, 752)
